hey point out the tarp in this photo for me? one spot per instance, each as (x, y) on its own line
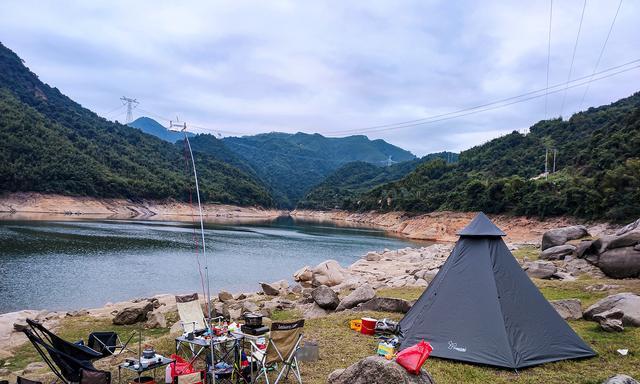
(482, 308)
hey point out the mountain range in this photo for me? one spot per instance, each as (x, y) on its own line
(51, 144)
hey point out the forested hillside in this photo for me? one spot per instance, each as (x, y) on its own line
(50, 144)
(598, 173)
(341, 188)
(290, 164)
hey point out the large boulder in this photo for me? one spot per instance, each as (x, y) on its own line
(628, 303)
(133, 314)
(325, 297)
(560, 236)
(304, 276)
(385, 304)
(628, 239)
(629, 227)
(620, 263)
(568, 309)
(558, 252)
(156, 319)
(377, 370)
(540, 269)
(620, 379)
(275, 289)
(328, 273)
(360, 295)
(225, 296)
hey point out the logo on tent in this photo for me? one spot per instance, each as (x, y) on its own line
(453, 345)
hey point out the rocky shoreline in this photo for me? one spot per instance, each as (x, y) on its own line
(35, 206)
(444, 225)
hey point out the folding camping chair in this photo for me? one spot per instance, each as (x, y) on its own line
(67, 368)
(284, 343)
(107, 343)
(76, 350)
(192, 318)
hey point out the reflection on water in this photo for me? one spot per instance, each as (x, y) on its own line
(71, 264)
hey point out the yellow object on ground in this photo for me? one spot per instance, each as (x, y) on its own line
(356, 325)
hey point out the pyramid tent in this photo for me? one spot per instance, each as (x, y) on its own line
(482, 308)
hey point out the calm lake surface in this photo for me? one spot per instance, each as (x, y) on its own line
(63, 265)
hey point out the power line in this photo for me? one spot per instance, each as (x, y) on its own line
(573, 56)
(602, 50)
(608, 72)
(507, 104)
(375, 127)
(548, 60)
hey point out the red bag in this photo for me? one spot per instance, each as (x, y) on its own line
(414, 357)
(180, 366)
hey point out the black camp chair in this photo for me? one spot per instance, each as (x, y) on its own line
(76, 350)
(67, 368)
(108, 343)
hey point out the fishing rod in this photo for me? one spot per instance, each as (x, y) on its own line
(182, 127)
(177, 127)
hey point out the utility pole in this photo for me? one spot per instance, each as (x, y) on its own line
(131, 104)
(555, 152)
(546, 163)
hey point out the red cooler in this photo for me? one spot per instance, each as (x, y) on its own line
(368, 326)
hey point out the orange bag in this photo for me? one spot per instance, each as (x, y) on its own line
(414, 357)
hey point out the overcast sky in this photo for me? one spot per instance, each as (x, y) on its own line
(260, 66)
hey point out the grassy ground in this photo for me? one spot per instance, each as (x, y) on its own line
(341, 347)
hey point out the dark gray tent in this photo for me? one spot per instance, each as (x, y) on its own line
(483, 308)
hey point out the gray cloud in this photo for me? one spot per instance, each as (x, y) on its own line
(256, 66)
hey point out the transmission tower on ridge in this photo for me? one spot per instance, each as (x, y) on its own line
(131, 104)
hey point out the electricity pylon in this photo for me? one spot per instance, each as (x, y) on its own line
(131, 104)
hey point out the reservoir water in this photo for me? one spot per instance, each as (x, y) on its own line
(65, 265)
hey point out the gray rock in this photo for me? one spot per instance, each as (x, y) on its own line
(33, 367)
(133, 314)
(628, 303)
(325, 297)
(20, 325)
(385, 304)
(620, 379)
(568, 309)
(225, 296)
(540, 269)
(328, 273)
(620, 263)
(155, 320)
(601, 287)
(582, 248)
(249, 306)
(636, 247)
(610, 321)
(560, 236)
(360, 295)
(377, 370)
(629, 227)
(628, 239)
(314, 311)
(241, 296)
(373, 256)
(558, 252)
(271, 289)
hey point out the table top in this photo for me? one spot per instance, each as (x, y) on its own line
(201, 341)
(163, 361)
